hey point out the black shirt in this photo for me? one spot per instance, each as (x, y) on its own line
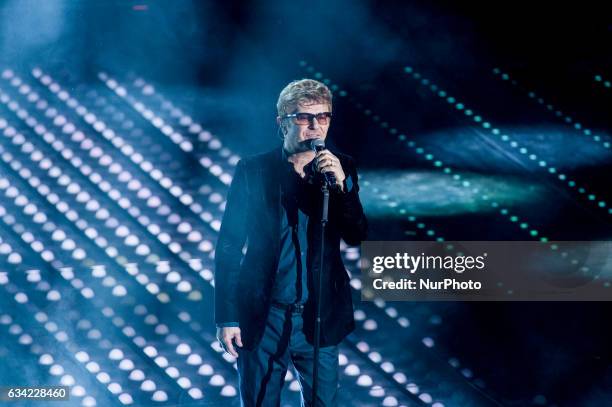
(291, 283)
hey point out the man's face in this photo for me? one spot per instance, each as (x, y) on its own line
(298, 136)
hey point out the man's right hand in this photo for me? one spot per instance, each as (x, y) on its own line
(225, 337)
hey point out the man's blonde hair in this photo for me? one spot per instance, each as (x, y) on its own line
(303, 91)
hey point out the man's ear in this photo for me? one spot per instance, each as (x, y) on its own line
(281, 127)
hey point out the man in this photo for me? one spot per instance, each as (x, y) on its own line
(264, 300)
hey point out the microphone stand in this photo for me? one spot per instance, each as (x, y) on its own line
(317, 333)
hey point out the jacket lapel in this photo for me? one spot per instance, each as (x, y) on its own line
(272, 172)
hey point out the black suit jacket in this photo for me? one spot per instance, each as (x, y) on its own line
(243, 284)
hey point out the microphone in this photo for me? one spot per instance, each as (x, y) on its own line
(317, 145)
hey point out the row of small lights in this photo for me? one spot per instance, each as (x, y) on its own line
(45, 359)
(124, 363)
(571, 184)
(427, 341)
(213, 196)
(129, 151)
(115, 354)
(225, 157)
(398, 376)
(63, 207)
(151, 352)
(551, 108)
(213, 143)
(504, 137)
(599, 79)
(31, 210)
(62, 337)
(90, 204)
(370, 324)
(162, 331)
(352, 369)
(182, 349)
(26, 339)
(12, 257)
(558, 113)
(175, 136)
(207, 274)
(57, 234)
(183, 227)
(118, 290)
(592, 198)
(185, 121)
(103, 185)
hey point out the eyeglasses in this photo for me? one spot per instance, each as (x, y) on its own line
(307, 118)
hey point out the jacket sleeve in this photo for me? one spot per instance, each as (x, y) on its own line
(228, 252)
(353, 223)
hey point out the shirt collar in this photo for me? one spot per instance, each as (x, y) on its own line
(289, 167)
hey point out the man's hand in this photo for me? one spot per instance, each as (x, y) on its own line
(225, 337)
(327, 162)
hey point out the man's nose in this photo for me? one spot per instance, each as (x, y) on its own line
(313, 124)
